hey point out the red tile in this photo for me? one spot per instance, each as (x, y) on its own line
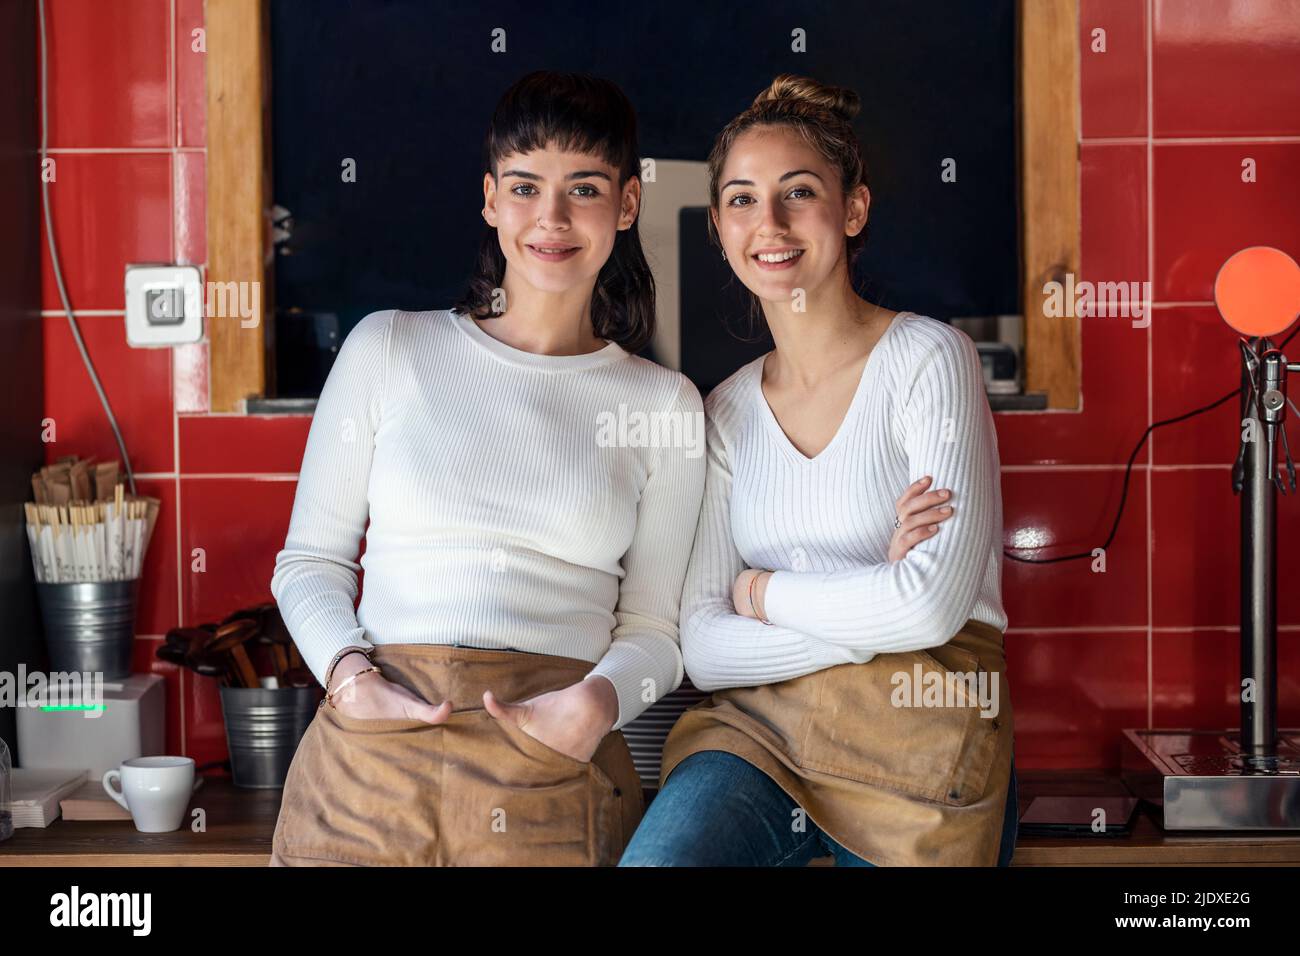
(1113, 81)
(1194, 548)
(1204, 212)
(1226, 68)
(205, 725)
(144, 660)
(190, 379)
(1066, 512)
(1197, 361)
(1196, 528)
(244, 444)
(136, 381)
(1196, 679)
(190, 192)
(241, 525)
(158, 611)
(1288, 679)
(1114, 353)
(109, 209)
(109, 73)
(191, 74)
(1113, 213)
(1073, 694)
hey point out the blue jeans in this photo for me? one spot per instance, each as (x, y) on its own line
(716, 809)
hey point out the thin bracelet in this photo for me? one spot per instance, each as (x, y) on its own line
(348, 680)
(329, 670)
(752, 606)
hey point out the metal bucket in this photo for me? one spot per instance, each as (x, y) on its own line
(263, 727)
(90, 625)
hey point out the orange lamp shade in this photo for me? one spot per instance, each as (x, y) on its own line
(1258, 291)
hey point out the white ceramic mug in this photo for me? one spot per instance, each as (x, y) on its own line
(155, 791)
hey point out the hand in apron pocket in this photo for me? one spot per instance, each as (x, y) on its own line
(511, 800)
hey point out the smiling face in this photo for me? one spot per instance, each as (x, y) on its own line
(782, 214)
(557, 214)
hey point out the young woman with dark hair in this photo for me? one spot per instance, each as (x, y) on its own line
(821, 612)
(524, 561)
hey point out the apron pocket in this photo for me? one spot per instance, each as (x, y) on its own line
(544, 752)
(514, 801)
(361, 791)
(906, 721)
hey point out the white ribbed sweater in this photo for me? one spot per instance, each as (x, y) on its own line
(500, 513)
(824, 524)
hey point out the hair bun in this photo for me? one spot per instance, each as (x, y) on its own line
(840, 101)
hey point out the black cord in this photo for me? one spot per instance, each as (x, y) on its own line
(1128, 471)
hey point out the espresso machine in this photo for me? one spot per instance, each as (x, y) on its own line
(1246, 777)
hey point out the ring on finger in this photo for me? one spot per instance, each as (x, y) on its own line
(897, 522)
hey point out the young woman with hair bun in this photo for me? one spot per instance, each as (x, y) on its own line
(853, 645)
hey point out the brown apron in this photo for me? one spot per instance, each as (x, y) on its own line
(473, 791)
(896, 785)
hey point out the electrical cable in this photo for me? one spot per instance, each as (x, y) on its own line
(54, 258)
(1128, 471)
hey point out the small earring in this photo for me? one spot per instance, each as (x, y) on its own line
(724, 255)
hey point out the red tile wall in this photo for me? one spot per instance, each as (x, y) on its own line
(1182, 94)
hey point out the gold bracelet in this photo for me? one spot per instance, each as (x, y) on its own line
(752, 606)
(348, 680)
(352, 649)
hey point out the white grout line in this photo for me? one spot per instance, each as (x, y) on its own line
(174, 139)
(90, 150)
(1080, 467)
(1220, 140)
(1038, 469)
(173, 120)
(1007, 469)
(1083, 141)
(180, 562)
(1148, 28)
(1139, 629)
(266, 476)
(1185, 140)
(171, 73)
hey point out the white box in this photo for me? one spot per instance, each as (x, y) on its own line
(132, 724)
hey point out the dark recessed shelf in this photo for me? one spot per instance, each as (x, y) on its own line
(281, 406)
(1028, 402)
(1032, 402)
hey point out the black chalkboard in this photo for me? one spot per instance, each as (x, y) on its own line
(405, 88)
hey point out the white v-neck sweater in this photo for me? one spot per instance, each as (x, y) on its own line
(824, 524)
(512, 503)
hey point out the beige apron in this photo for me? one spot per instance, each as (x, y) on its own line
(473, 791)
(896, 785)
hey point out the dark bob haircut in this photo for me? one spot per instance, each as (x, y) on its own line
(585, 114)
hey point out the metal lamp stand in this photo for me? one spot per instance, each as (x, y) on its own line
(1245, 778)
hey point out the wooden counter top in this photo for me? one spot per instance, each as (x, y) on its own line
(240, 823)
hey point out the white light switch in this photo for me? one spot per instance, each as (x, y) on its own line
(164, 305)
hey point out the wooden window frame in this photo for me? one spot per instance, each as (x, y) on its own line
(239, 195)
